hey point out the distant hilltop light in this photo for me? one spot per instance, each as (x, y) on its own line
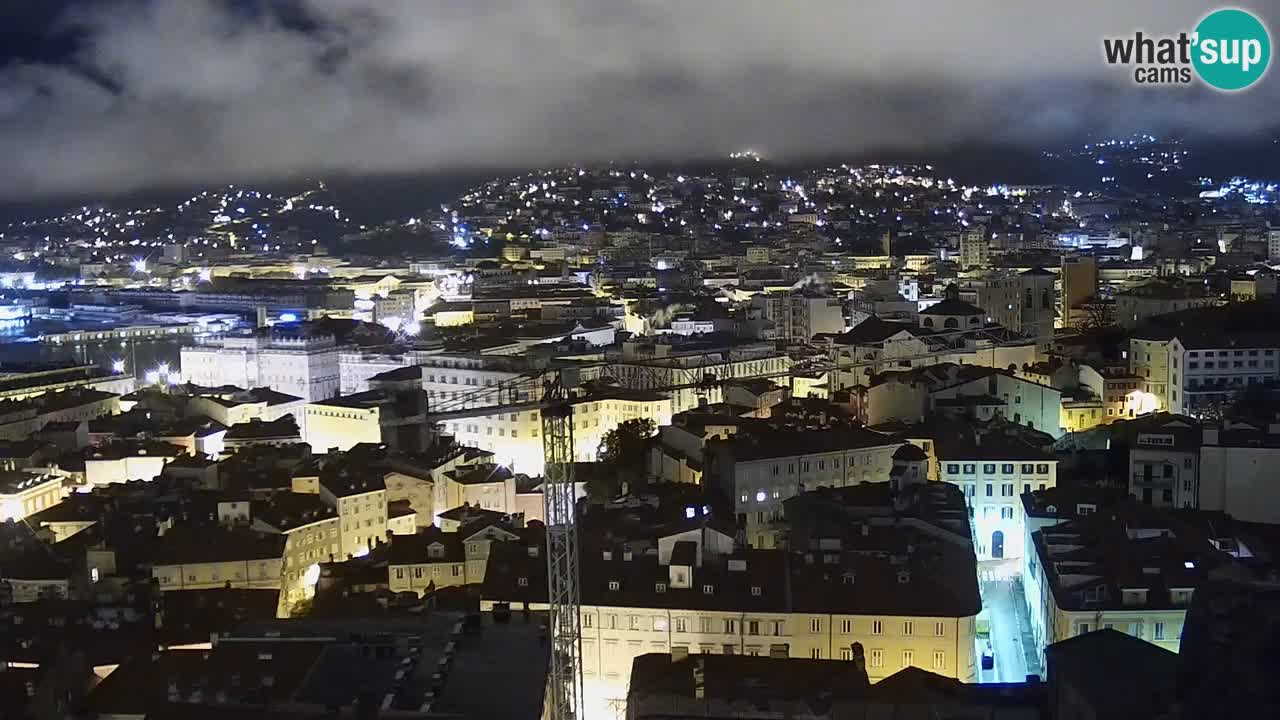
(747, 154)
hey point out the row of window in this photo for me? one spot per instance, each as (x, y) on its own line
(875, 656)
(731, 626)
(420, 572)
(990, 468)
(1226, 353)
(1006, 489)
(1225, 364)
(1134, 629)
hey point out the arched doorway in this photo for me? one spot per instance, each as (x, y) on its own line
(997, 544)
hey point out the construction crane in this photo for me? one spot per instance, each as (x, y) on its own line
(554, 399)
(560, 515)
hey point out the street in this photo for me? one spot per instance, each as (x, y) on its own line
(1009, 633)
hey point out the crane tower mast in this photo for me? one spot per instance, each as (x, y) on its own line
(559, 498)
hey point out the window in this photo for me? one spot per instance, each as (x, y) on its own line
(399, 573)
(611, 622)
(877, 658)
(753, 627)
(708, 589)
(877, 627)
(908, 627)
(846, 626)
(1007, 468)
(908, 658)
(989, 469)
(682, 625)
(660, 624)
(939, 660)
(1042, 468)
(1084, 628)
(704, 625)
(968, 469)
(952, 468)
(815, 624)
(614, 585)
(846, 654)
(730, 627)
(1158, 631)
(1006, 489)
(1006, 513)
(990, 489)
(588, 620)
(939, 629)
(815, 653)
(633, 622)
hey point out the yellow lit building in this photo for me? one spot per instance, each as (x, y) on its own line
(211, 558)
(309, 529)
(23, 494)
(689, 595)
(361, 503)
(342, 422)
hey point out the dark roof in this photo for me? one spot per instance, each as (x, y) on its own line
(951, 306)
(910, 453)
(215, 544)
(869, 331)
(788, 443)
(416, 549)
(283, 427)
(1111, 669)
(480, 473)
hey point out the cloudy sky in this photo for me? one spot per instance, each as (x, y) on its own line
(153, 93)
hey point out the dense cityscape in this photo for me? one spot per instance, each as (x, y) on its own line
(591, 360)
(851, 436)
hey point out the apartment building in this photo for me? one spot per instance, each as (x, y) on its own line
(23, 493)
(960, 390)
(876, 346)
(310, 532)
(677, 453)
(360, 500)
(513, 434)
(1160, 297)
(434, 559)
(974, 248)
(798, 315)
(295, 361)
(1164, 461)
(993, 466)
(1133, 569)
(693, 592)
(760, 471)
(205, 558)
(1024, 302)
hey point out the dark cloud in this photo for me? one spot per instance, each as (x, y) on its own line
(180, 91)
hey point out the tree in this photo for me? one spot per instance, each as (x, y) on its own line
(622, 455)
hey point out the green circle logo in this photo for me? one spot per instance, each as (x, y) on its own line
(1232, 49)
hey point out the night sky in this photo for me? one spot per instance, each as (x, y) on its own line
(109, 97)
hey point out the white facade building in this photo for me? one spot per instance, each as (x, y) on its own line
(296, 363)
